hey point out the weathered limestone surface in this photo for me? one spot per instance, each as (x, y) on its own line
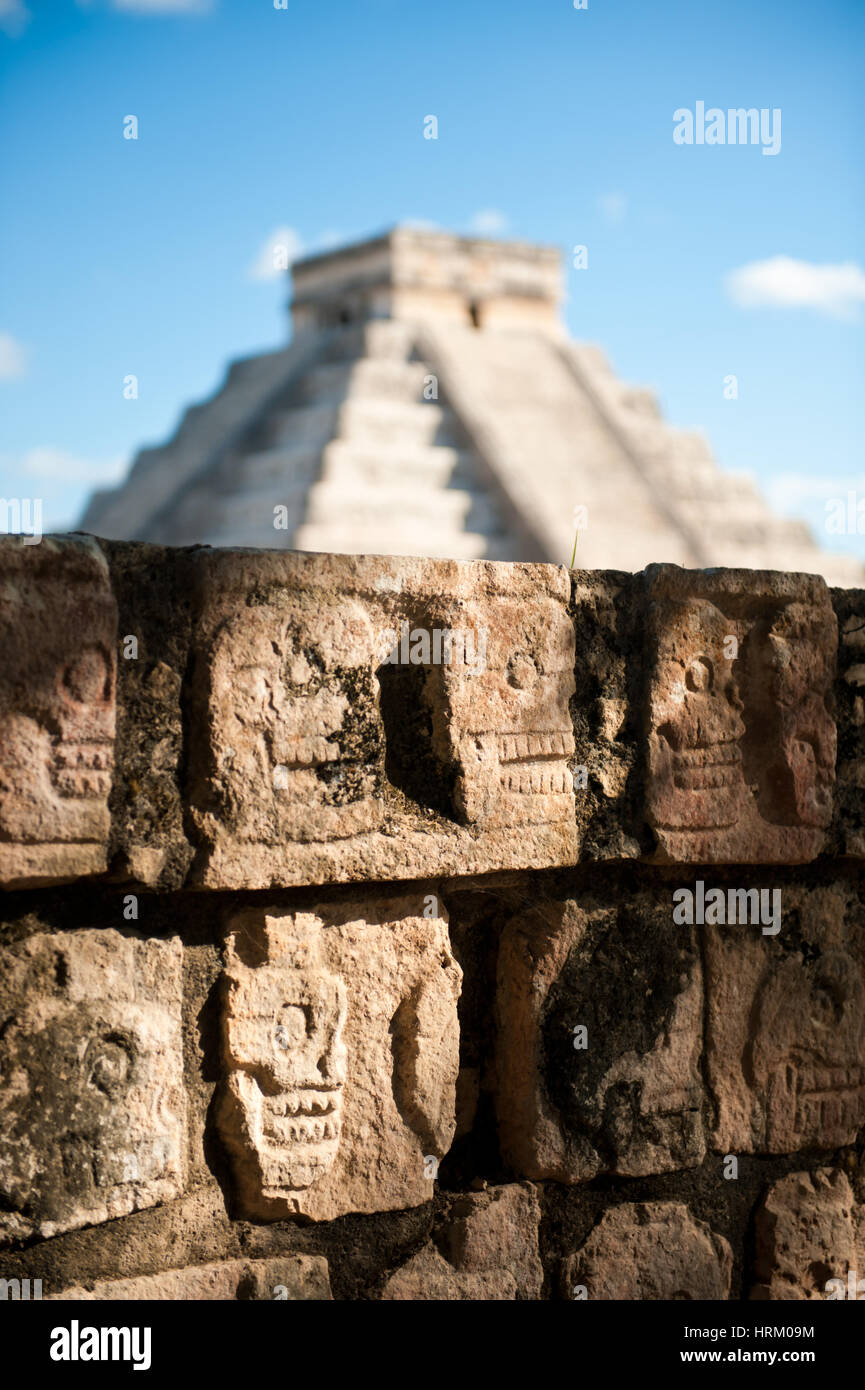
(290, 718)
(486, 1249)
(222, 1047)
(849, 828)
(809, 1231)
(341, 1052)
(741, 742)
(92, 1105)
(650, 1250)
(786, 1025)
(626, 1096)
(334, 740)
(286, 1278)
(58, 633)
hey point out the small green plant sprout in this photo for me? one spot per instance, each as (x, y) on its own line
(581, 521)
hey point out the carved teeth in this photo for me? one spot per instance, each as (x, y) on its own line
(534, 780)
(300, 1104)
(300, 1129)
(705, 778)
(83, 769)
(825, 1081)
(707, 755)
(518, 747)
(308, 752)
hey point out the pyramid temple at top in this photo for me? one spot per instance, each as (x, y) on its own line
(431, 403)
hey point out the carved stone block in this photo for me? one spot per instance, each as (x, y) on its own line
(650, 1251)
(501, 710)
(92, 1106)
(809, 1231)
(849, 838)
(283, 1278)
(341, 1052)
(487, 1248)
(375, 718)
(58, 634)
(741, 740)
(786, 1026)
(599, 1036)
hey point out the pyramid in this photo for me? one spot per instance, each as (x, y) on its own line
(431, 403)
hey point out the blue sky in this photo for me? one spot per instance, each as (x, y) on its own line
(123, 257)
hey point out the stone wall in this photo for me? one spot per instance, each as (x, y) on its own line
(386, 928)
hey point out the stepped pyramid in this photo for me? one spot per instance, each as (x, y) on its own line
(431, 403)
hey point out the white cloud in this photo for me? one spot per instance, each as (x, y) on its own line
(613, 207)
(14, 17)
(47, 462)
(787, 491)
(837, 290)
(489, 222)
(13, 355)
(281, 248)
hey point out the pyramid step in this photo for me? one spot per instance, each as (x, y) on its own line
(370, 422)
(300, 465)
(304, 426)
(435, 465)
(369, 378)
(376, 338)
(415, 507)
(395, 423)
(395, 539)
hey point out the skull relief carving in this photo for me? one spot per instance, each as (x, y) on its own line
(741, 741)
(506, 728)
(57, 712)
(281, 1111)
(92, 1106)
(292, 706)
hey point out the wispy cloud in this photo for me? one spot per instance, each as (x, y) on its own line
(613, 207)
(45, 461)
(836, 290)
(489, 222)
(14, 356)
(276, 254)
(14, 18)
(789, 490)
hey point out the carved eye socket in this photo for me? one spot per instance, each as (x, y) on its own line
(522, 671)
(699, 675)
(109, 1064)
(291, 1027)
(86, 678)
(827, 1001)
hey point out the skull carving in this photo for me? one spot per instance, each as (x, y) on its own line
(741, 743)
(92, 1105)
(808, 1057)
(280, 1114)
(294, 715)
(695, 761)
(789, 668)
(500, 710)
(57, 709)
